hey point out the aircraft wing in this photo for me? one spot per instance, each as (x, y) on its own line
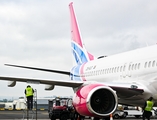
(66, 83)
(120, 88)
(123, 90)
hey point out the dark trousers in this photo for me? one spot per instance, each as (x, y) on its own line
(146, 114)
(30, 102)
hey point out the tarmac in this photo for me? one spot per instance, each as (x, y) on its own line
(22, 115)
(40, 115)
(85, 119)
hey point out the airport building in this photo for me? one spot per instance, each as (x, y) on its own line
(21, 103)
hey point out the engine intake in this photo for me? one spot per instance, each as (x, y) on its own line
(95, 100)
(102, 101)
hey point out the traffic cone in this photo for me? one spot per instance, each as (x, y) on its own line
(111, 117)
(78, 118)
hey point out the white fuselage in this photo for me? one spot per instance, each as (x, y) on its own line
(137, 66)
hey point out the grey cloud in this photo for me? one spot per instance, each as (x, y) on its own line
(37, 33)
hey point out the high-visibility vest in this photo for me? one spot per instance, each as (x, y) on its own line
(29, 91)
(149, 106)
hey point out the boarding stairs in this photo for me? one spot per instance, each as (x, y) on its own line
(31, 114)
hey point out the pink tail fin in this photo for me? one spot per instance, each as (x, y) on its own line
(80, 53)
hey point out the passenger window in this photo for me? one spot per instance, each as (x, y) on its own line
(121, 69)
(153, 64)
(115, 69)
(118, 69)
(124, 68)
(135, 66)
(138, 65)
(145, 65)
(132, 66)
(112, 70)
(149, 64)
(129, 67)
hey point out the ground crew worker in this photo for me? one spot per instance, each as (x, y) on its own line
(29, 95)
(148, 106)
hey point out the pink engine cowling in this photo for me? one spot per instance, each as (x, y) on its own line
(95, 100)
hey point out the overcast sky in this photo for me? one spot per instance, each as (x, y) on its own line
(37, 33)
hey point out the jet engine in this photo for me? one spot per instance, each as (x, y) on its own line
(95, 100)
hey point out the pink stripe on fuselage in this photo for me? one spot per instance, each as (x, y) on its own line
(74, 27)
(81, 72)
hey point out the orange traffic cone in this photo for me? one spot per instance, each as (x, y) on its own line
(78, 118)
(111, 117)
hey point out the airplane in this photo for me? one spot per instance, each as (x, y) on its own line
(100, 84)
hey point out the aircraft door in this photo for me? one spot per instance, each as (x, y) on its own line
(129, 70)
(126, 70)
(123, 70)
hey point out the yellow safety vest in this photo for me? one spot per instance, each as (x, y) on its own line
(29, 91)
(149, 106)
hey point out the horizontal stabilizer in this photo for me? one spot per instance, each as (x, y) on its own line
(41, 69)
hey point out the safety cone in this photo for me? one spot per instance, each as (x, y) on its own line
(78, 118)
(111, 117)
